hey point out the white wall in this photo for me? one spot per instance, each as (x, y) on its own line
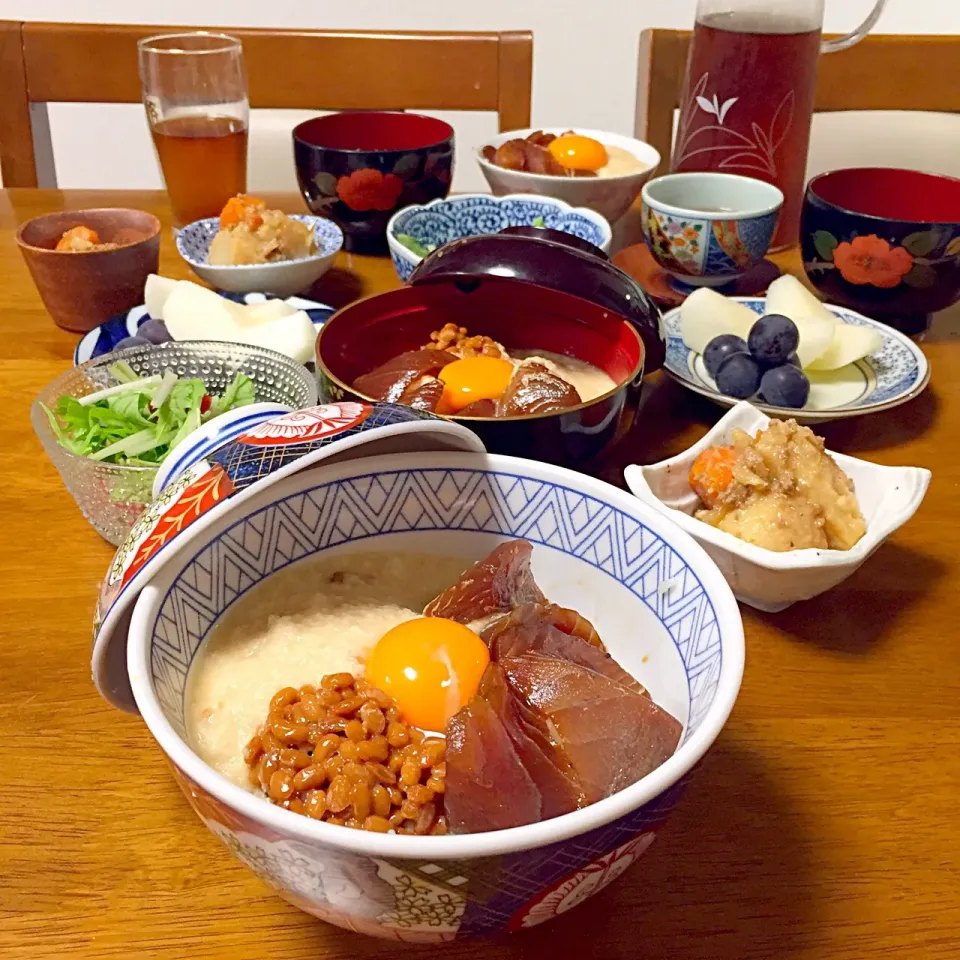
(584, 74)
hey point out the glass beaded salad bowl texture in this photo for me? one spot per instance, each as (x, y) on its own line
(111, 495)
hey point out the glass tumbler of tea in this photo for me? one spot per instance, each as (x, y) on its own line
(195, 94)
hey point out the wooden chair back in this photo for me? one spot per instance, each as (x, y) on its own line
(881, 73)
(44, 63)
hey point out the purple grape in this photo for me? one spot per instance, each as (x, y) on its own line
(772, 339)
(128, 342)
(719, 348)
(794, 360)
(785, 386)
(738, 376)
(155, 331)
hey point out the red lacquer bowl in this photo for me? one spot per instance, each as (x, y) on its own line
(885, 242)
(519, 315)
(358, 168)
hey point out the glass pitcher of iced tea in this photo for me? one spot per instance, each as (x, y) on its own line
(747, 100)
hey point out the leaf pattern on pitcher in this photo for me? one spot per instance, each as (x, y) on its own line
(756, 153)
(719, 110)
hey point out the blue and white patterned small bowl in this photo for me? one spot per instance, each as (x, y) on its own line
(282, 278)
(660, 604)
(896, 373)
(476, 214)
(706, 229)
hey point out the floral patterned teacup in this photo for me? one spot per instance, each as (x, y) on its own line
(360, 168)
(707, 229)
(884, 242)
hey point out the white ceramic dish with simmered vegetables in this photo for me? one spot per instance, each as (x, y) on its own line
(766, 579)
(639, 578)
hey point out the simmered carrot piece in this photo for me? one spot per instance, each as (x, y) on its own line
(242, 209)
(78, 238)
(712, 473)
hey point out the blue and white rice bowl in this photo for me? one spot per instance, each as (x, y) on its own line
(659, 602)
(282, 278)
(477, 214)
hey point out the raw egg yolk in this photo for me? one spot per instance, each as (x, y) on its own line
(431, 666)
(474, 378)
(578, 153)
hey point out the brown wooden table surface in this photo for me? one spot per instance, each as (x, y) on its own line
(824, 823)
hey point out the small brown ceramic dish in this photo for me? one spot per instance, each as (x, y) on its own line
(518, 314)
(82, 290)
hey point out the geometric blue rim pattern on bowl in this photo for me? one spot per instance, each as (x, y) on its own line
(458, 890)
(478, 501)
(893, 375)
(271, 448)
(441, 221)
(103, 339)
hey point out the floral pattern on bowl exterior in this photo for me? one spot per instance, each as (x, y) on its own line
(898, 271)
(868, 260)
(416, 899)
(719, 250)
(361, 189)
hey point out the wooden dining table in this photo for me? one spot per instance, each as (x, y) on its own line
(823, 824)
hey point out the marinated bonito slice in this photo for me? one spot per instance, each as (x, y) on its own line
(495, 585)
(389, 380)
(423, 394)
(530, 629)
(487, 785)
(548, 767)
(564, 619)
(479, 408)
(612, 736)
(534, 389)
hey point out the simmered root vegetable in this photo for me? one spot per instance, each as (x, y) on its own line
(81, 239)
(250, 233)
(242, 209)
(712, 473)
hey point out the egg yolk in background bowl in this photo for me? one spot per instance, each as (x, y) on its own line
(578, 153)
(431, 666)
(474, 378)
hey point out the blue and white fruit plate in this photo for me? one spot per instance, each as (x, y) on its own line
(894, 374)
(103, 339)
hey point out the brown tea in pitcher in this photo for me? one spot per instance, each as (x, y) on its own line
(204, 162)
(747, 103)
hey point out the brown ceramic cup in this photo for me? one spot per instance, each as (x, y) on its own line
(82, 290)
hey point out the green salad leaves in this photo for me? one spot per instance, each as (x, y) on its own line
(140, 420)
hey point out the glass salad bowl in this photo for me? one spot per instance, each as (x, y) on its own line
(112, 495)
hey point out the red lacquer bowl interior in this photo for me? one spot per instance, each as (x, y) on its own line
(519, 315)
(906, 195)
(373, 131)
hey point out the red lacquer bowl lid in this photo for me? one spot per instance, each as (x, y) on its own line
(557, 266)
